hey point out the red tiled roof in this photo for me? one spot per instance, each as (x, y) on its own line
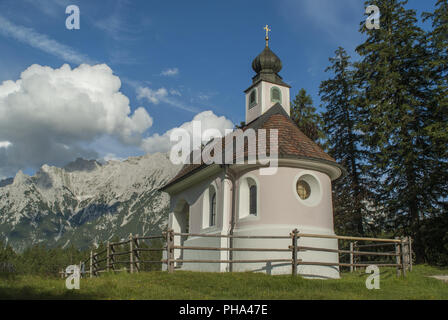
(292, 143)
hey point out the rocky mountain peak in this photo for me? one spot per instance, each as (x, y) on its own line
(86, 202)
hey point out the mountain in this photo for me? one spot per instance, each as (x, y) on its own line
(86, 202)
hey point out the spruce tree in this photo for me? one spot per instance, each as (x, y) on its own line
(434, 229)
(305, 116)
(339, 96)
(394, 79)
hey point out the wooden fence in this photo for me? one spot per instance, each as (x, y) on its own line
(352, 253)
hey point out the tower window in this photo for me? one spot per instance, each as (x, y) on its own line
(253, 98)
(212, 207)
(276, 95)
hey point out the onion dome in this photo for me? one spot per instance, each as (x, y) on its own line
(267, 62)
(267, 66)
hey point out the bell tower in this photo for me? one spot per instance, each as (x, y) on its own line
(267, 87)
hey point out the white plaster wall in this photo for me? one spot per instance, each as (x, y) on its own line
(194, 197)
(285, 267)
(279, 212)
(266, 96)
(202, 254)
(278, 203)
(255, 111)
(264, 100)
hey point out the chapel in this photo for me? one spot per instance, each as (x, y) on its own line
(237, 199)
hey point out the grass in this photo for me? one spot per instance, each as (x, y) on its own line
(199, 286)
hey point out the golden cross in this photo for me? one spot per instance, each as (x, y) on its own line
(267, 34)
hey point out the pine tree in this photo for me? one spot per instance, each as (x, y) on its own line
(305, 116)
(434, 230)
(339, 97)
(395, 81)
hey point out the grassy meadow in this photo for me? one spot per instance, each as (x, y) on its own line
(195, 285)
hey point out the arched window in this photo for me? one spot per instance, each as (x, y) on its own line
(248, 198)
(276, 95)
(212, 207)
(253, 199)
(253, 98)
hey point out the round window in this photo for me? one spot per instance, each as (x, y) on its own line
(308, 189)
(303, 189)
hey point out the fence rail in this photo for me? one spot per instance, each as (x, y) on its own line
(107, 260)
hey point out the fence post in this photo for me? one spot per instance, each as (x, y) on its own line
(355, 256)
(95, 267)
(112, 256)
(136, 254)
(108, 257)
(403, 257)
(131, 254)
(351, 256)
(167, 240)
(91, 264)
(405, 250)
(410, 253)
(294, 252)
(170, 250)
(397, 258)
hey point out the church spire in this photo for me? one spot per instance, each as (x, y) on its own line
(268, 88)
(267, 35)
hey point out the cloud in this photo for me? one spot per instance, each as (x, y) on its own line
(165, 96)
(51, 8)
(121, 24)
(153, 96)
(170, 72)
(175, 92)
(161, 143)
(41, 41)
(112, 157)
(51, 115)
(5, 144)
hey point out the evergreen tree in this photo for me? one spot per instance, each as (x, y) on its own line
(434, 230)
(437, 39)
(395, 81)
(304, 114)
(339, 97)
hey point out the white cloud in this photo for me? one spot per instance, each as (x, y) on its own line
(52, 8)
(170, 72)
(5, 144)
(49, 115)
(41, 42)
(175, 92)
(153, 96)
(112, 157)
(203, 97)
(162, 95)
(161, 143)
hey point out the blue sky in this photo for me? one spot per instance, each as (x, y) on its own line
(199, 52)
